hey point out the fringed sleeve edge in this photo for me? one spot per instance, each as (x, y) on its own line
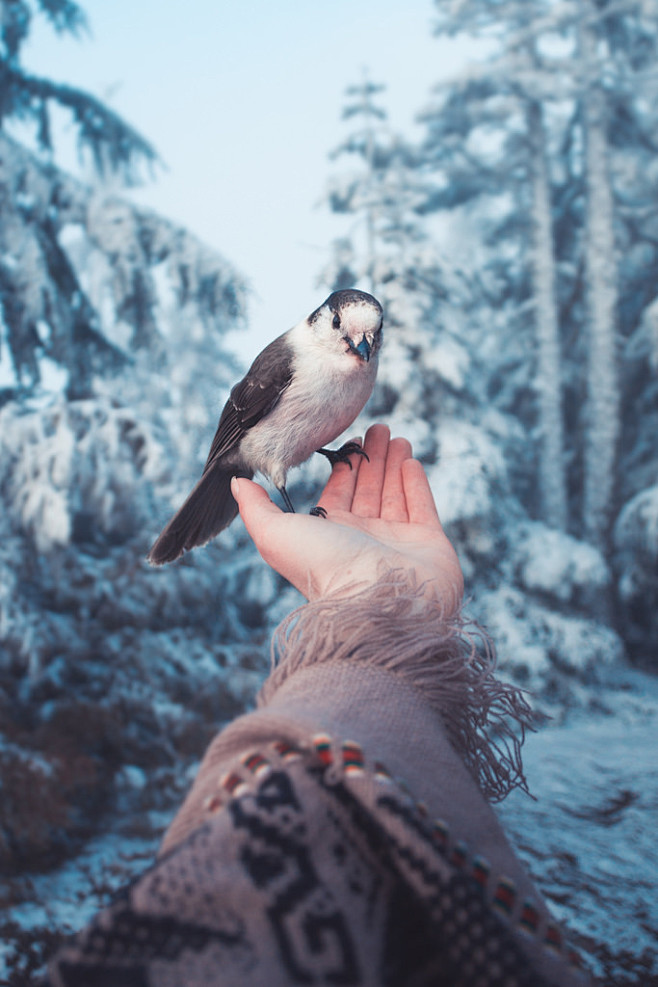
(394, 626)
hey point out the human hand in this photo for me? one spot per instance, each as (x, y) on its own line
(380, 515)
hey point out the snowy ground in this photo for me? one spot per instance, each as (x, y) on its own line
(589, 840)
(38, 909)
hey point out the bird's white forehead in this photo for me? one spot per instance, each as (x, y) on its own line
(359, 317)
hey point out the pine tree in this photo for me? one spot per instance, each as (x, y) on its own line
(359, 192)
(579, 160)
(488, 137)
(443, 332)
(113, 143)
(387, 251)
(594, 62)
(46, 314)
(113, 367)
(619, 106)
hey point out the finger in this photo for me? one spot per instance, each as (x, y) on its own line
(394, 504)
(339, 489)
(256, 509)
(370, 481)
(418, 494)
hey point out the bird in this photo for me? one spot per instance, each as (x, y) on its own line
(300, 393)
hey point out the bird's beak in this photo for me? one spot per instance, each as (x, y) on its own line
(363, 349)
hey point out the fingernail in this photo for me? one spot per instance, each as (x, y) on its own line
(235, 487)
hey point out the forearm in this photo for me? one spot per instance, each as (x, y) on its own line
(412, 695)
(387, 669)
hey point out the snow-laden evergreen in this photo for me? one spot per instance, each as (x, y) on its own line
(535, 587)
(113, 370)
(105, 663)
(110, 671)
(496, 148)
(544, 154)
(489, 314)
(114, 145)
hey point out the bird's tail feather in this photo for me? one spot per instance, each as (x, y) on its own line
(208, 510)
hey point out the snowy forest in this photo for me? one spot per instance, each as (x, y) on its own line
(514, 247)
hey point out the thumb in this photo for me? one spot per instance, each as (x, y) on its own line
(256, 508)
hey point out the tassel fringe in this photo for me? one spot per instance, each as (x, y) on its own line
(451, 660)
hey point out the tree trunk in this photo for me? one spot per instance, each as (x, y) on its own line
(552, 474)
(603, 402)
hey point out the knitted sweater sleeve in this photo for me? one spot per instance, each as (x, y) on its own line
(340, 832)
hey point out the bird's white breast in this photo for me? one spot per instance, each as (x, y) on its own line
(328, 391)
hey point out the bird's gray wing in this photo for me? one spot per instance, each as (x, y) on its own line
(253, 397)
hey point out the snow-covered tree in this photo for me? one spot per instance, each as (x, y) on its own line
(487, 137)
(545, 152)
(443, 334)
(111, 141)
(113, 369)
(603, 399)
(386, 250)
(358, 192)
(617, 47)
(44, 313)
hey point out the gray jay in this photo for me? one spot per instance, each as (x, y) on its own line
(300, 393)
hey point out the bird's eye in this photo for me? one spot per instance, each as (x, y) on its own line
(336, 322)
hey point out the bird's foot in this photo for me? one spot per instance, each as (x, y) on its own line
(286, 499)
(318, 511)
(343, 454)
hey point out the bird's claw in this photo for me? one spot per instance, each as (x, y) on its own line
(318, 511)
(343, 454)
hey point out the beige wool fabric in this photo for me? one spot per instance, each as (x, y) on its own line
(339, 833)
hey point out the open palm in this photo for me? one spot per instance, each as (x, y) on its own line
(380, 515)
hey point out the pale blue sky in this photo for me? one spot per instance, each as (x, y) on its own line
(243, 103)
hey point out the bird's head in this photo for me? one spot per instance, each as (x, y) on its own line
(350, 321)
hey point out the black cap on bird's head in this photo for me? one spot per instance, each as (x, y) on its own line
(357, 316)
(351, 296)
